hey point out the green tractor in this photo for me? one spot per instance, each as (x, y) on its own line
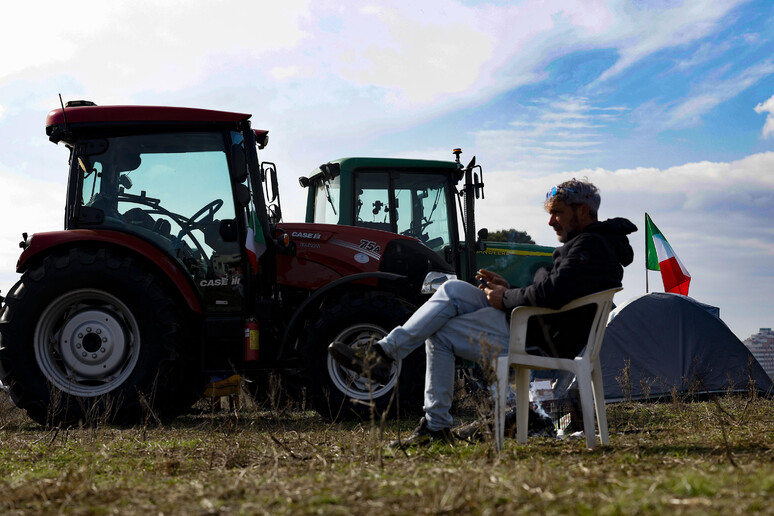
(420, 199)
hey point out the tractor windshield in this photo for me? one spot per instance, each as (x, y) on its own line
(172, 189)
(410, 203)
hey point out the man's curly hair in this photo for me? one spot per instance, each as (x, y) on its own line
(573, 192)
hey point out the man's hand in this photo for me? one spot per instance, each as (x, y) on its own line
(491, 279)
(494, 295)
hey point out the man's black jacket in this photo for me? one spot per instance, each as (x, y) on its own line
(589, 262)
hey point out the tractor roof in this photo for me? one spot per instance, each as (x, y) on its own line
(403, 164)
(118, 114)
(353, 163)
(86, 116)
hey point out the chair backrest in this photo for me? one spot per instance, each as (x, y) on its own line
(604, 302)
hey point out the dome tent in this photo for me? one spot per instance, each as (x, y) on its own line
(671, 342)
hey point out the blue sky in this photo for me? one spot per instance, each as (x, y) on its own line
(667, 106)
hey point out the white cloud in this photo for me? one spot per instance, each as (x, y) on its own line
(767, 107)
(641, 29)
(125, 47)
(713, 92)
(548, 134)
(706, 52)
(435, 54)
(417, 55)
(26, 205)
(285, 72)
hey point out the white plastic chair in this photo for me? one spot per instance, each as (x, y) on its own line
(585, 366)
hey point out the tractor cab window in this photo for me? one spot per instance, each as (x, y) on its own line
(405, 202)
(372, 201)
(174, 191)
(421, 201)
(326, 201)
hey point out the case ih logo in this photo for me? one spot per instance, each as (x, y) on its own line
(301, 234)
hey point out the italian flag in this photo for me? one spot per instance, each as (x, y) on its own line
(255, 243)
(661, 256)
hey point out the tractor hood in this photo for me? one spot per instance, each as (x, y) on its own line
(326, 252)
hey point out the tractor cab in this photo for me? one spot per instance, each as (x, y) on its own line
(184, 190)
(433, 201)
(410, 197)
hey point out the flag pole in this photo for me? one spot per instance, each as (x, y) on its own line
(646, 253)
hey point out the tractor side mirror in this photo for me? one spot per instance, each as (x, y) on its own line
(274, 184)
(269, 175)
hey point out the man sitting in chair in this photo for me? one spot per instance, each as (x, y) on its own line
(469, 322)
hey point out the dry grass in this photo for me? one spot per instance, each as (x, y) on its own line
(676, 457)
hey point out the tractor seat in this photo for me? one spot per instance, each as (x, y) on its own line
(138, 218)
(163, 228)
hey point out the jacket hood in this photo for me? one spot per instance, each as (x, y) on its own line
(615, 231)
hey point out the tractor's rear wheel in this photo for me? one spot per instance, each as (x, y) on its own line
(93, 336)
(357, 320)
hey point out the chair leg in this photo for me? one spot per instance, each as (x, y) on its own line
(522, 404)
(599, 401)
(500, 392)
(583, 377)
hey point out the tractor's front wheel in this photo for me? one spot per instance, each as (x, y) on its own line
(90, 335)
(358, 320)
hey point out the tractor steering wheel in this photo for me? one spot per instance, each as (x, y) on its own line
(186, 226)
(415, 230)
(210, 208)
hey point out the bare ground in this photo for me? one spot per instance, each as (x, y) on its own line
(679, 457)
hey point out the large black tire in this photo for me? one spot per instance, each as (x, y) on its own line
(339, 393)
(93, 336)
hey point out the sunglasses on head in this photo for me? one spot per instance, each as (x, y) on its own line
(553, 192)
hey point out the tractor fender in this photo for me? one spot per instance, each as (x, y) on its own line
(294, 329)
(42, 243)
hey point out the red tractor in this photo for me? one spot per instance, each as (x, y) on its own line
(173, 266)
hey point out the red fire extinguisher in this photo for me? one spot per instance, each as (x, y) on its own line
(251, 339)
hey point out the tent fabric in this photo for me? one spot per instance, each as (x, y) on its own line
(673, 341)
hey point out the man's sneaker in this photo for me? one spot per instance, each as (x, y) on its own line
(423, 436)
(370, 362)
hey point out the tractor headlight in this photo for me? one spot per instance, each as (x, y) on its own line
(433, 280)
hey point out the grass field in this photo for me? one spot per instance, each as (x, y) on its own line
(675, 457)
